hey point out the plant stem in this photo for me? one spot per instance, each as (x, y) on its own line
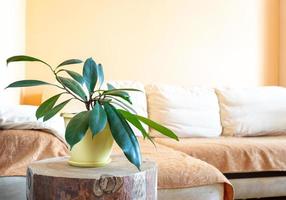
(64, 88)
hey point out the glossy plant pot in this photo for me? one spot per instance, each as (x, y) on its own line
(91, 152)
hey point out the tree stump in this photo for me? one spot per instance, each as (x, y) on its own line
(54, 179)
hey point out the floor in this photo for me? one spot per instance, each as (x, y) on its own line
(12, 188)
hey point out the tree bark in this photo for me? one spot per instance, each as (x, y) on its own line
(54, 179)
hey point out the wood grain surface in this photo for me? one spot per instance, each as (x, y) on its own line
(54, 179)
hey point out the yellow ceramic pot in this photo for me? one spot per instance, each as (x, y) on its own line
(91, 152)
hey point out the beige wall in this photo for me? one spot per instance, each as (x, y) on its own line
(282, 72)
(187, 42)
(12, 41)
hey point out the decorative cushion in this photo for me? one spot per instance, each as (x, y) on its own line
(253, 111)
(189, 112)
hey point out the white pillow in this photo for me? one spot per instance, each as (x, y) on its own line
(23, 118)
(253, 111)
(138, 99)
(189, 112)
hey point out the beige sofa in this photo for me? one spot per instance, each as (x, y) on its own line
(240, 131)
(179, 176)
(237, 134)
(237, 130)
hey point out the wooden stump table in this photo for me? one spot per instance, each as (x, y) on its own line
(55, 179)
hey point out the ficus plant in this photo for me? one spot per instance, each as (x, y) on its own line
(111, 105)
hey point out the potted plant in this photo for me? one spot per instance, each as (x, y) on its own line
(90, 133)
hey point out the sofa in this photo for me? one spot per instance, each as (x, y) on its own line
(232, 140)
(240, 131)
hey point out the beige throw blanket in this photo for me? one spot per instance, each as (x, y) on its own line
(175, 169)
(235, 154)
(18, 148)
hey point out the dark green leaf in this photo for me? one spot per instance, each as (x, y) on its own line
(70, 62)
(133, 120)
(55, 110)
(27, 83)
(122, 96)
(24, 58)
(120, 90)
(77, 128)
(73, 86)
(46, 106)
(90, 74)
(117, 92)
(98, 119)
(76, 76)
(123, 135)
(162, 129)
(100, 75)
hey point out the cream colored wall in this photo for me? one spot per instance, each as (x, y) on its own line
(12, 41)
(188, 42)
(282, 72)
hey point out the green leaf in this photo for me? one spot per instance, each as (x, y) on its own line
(110, 91)
(77, 128)
(90, 74)
(46, 106)
(162, 129)
(121, 104)
(76, 76)
(27, 83)
(69, 62)
(55, 110)
(73, 86)
(97, 120)
(133, 120)
(100, 75)
(122, 96)
(25, 58)
(123, 135)
(119, 93)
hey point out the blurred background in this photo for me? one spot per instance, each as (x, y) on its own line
(186, 42)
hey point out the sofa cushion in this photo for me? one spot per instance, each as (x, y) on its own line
(235, 154)
(253, 111)
(190, 112)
